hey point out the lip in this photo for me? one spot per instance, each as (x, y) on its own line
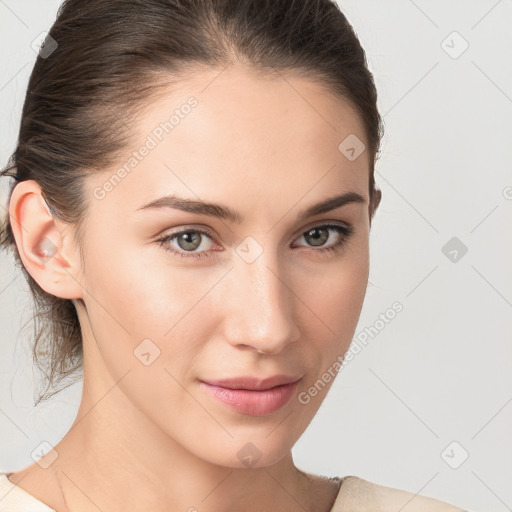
(253, 383)
(253, 396)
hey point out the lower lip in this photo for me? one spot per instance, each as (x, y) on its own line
(254, 403)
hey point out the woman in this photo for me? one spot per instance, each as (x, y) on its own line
(193, 198)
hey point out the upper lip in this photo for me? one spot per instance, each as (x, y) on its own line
(253, 383)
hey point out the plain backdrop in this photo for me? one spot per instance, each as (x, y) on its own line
(427, 404)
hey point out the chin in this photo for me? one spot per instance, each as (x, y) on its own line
(255, 450)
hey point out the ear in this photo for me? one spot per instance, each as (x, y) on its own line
(377, 196)
(44, 243)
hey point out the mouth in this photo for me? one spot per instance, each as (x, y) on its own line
(254, 383)
(254, 397)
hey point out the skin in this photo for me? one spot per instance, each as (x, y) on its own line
(148, 437)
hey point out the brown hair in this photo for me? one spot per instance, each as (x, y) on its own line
(110, 54)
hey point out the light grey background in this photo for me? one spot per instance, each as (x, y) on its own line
(440, 371)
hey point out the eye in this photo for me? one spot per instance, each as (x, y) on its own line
(318, 235)
(188, 241)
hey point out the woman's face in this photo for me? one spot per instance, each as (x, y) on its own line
(268, 291)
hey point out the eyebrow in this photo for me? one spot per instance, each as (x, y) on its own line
(226, 213)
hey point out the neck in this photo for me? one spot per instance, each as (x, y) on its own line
(114, 458)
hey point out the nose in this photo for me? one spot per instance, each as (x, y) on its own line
(260, 307)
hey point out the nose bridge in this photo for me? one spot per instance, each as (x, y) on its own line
(262, 315)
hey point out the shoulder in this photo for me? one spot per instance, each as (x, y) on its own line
(359, 495)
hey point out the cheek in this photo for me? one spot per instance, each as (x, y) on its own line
(335, 298)
(141, 293)
(336, 292)
(143, 303)
(145, 322)
(132, 299)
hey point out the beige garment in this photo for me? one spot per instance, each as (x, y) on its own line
(15, 499)
(359, 495)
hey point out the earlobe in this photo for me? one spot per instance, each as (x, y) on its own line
(44, 251)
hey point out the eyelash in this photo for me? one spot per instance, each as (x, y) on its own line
(344, 230)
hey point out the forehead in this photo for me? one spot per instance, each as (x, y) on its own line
(245, 109)
(229, 133)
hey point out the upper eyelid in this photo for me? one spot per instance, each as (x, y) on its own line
(319, 224)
